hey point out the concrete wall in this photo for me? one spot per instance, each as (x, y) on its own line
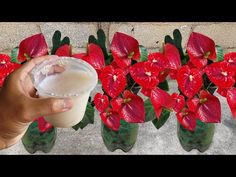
(11, 33)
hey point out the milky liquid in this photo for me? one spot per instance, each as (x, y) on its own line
(68, 82)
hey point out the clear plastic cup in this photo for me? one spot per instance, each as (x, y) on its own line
(62, 78)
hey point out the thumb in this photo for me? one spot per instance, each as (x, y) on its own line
(48, 106)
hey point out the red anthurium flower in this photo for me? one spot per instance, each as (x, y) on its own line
(173, 74)
(179, 102)
(163, 74)
(145, 74)
(113, 81)
(146, 91)
(94, 56)
(193, 104)
(187, 119)
(222, 91)
(231, 99)
(209, 108)
(230, 58)
(31, 47)
(43, 125)
(111, 119)
(189, 80)
(158, 60)
(6, 67)
(200, 48)
(124, 48)
(64, 50)
(220, 74)
(4, 60)
(160, 99)
(101, 102)
(131, 107)
(173, 56)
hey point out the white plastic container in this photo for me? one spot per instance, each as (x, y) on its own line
(75, 79)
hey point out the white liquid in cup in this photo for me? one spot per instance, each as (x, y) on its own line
(74, 83)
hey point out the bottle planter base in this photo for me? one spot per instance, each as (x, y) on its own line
(199, 139)
(34, 140)
(123, 139)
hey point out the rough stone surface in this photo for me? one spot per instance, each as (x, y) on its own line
(13, 33)
(77, 32)
(149, 33)
(222, 33)
(149, 141)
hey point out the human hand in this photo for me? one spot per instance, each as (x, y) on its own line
(19, 104)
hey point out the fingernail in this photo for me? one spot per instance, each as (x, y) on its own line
(66, 104)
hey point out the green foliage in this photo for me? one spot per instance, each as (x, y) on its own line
(163, 118)
(177, 41)
(14, 54)
(164, 85)
(34, 140)
(57, 42)
(219, 53)
(101, 41)
(149, 111)
(143, 53)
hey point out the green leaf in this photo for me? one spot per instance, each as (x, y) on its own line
(163, 118)
(143, 53)
(65, 40)
(101, 41)
(149, 111)
(164, 85)
(57, 42)
(14, 54)
(219, 53)
(87, 119)
(177, 41)
(168, 39)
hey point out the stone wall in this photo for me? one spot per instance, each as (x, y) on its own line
(149, 34)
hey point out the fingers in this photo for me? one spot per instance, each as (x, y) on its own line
(28, 66)
(48, 106)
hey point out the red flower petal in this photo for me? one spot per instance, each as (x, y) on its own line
(124, 48)
(160, 99)
(198, 62)
(187, 119)
(231, 59)
(201, 47)
(163, 74)
(220, 74)
(158, 60)
(4, 60)
(94, 56)
(231, 99)
(189, 81)
(113, 81)
(34, 46)
(193, 104)
(145, 74)
(111, 119)
(146, 91)
(117, 104)
(43, 125)
(101, 102)
(64, 50)
(209, 110)
(7, 69)
(173, 56)
(222, 91)
(179, 102)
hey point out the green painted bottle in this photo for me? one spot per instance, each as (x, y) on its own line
(34, 140)
(199, 139)
(123, 139)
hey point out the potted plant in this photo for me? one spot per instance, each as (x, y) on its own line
(202, 69)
